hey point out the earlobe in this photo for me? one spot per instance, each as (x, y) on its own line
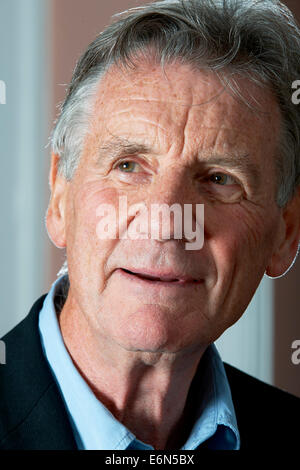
(287, 249)
(55, 218)
(276, 270)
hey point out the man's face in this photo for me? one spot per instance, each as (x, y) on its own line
(185, 141)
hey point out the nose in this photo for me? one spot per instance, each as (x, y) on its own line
(171, 210)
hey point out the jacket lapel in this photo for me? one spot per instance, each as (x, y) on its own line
(32, 413)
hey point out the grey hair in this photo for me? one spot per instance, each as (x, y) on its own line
(257, 38)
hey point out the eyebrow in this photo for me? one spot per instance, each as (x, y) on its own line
(239, 162)
(120, 146)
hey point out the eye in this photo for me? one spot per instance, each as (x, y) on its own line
(127, 166)
(222, 179)
(221, 186)
(131, 171)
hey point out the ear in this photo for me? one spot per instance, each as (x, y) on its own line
(287, 247)
(55, 219)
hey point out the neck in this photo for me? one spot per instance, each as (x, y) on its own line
(146, 391)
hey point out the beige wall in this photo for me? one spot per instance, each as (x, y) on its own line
(75, 24)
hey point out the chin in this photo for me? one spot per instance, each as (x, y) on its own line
(154, 340)
(152, 329)
(147, 339)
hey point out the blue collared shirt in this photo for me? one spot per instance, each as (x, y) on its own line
(94, 426)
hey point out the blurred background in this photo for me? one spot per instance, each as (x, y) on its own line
(40, 42)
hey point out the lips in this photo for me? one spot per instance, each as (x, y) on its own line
(162, 277)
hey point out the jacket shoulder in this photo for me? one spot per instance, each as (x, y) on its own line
(32, 414)
(266, 415)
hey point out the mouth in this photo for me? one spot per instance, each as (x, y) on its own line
(166, 279)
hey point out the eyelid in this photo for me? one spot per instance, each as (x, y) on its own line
(137, 159)
(129, 158)
(215, 171)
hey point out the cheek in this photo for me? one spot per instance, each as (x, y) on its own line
(240, 244)
(85, 249)
(86, 213)
(256, 229)
(87, 255)
(241, 235)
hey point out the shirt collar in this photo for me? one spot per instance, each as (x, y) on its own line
(215, 423)
(96, 428)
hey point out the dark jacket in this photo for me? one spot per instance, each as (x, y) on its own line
(33, 416)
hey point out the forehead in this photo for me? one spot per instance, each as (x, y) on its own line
(165, 106)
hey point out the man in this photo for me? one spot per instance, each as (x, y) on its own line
(178, 102)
